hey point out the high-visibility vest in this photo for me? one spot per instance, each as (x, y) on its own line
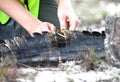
(33, 6)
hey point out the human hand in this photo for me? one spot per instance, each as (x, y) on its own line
(43, 27)
(67, 17)
(21, 15)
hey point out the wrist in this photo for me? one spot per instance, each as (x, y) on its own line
(63, 1)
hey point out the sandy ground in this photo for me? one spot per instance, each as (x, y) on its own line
(69, 72)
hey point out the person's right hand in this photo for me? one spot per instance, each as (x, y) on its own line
(43, 27)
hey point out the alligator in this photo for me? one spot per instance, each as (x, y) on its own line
(67, 45)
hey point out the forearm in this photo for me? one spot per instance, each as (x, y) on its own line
(62, 1)
(15, 10)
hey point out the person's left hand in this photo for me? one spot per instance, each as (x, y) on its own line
(67, 17)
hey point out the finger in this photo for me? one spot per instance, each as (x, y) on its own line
(67, 24)
(46, 29)
(74, 24)
(37, 30)
(51, 27)
(42, 28)
(77, 24)
(63, 23)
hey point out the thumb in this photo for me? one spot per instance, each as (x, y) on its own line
(51, 27)
(63, 23)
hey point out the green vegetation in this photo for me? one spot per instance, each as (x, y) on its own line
(6, 62)
(94, 57)
(70, 80)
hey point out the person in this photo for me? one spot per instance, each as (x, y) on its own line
(35, 16)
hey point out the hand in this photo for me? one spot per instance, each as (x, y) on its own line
(21, 15)
(43, 27)
(67, 17)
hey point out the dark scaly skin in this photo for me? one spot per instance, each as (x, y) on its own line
(48, 47)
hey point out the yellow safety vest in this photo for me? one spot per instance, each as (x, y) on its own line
(33, 6)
